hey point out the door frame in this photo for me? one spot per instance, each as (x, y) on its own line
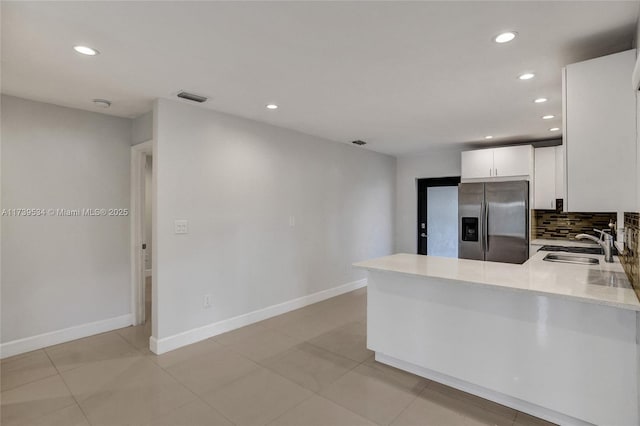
(139, 155)
(422, 185)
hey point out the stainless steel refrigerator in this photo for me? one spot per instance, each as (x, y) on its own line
(493, 221)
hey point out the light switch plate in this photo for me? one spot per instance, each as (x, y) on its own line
(181, 226)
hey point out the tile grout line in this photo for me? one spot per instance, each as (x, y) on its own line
(139, 352)
(371, 420)
(45, 349)
(334, 381)
(407, 406)
(433, 382)
(335, 353)
(292, 408)
(137, 349)
(86, 417)
(415, 397)
(260, 365)
(198, 397)
(282, 354)
(35, 380)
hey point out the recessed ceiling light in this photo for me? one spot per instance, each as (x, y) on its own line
(488, 137)
(554, 129)
(540, 100)
(85, 50)
(505, 37)
(102, 103)
(548, 117)
(272, 106)
(526, 76)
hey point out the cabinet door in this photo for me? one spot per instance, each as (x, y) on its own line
(512, 161)
(477, 164)
(600, 141)
(559, 171)
(545, 178)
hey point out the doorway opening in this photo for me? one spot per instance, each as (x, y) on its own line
(142, 203)
(437, 227)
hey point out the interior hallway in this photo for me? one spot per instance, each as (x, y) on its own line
(306, 367)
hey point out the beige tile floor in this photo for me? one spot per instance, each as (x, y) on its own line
(309, 367)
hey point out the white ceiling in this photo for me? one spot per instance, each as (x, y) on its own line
(403, 76)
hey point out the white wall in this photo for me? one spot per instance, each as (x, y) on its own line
(59, 272)
(142, 128)
(435, 163)
(238, 182)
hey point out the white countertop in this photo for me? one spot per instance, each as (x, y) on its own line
(578, 282)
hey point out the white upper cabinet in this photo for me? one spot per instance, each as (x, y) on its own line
(600, 134)
(559, 171)
(477, 164)
(513, 160)
(497, 162)
(545, 178)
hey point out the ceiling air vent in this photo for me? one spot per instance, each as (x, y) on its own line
(191, 97)
(358, 142)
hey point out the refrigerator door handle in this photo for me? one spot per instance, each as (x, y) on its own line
(481, 226)
(485, 225)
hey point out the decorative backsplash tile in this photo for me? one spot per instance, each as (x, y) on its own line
(555, 224)
(629, 258)
(631, 219)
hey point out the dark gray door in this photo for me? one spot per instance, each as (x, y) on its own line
(507, 221)
(471, 221)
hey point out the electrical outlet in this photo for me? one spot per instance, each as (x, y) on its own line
(181, 226)
(208, 300)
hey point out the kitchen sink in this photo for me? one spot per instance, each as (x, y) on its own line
(581, 250)
(580, 260)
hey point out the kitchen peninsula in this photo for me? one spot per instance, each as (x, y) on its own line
(556, 340)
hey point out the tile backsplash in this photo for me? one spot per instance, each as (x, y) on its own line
(629, 257)
(555, 224)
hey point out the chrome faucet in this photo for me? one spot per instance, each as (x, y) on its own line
(605, 241)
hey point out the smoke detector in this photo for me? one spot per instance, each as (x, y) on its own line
(102, 103)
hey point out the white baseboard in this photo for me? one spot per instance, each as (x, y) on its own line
(166, 344)
(500, 398)
(16, 347)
